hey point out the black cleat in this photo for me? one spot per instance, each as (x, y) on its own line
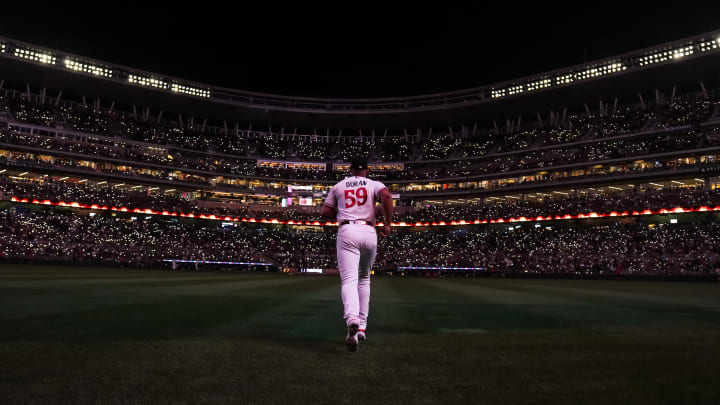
(351, 341)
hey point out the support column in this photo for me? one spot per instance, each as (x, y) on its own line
(704, 90)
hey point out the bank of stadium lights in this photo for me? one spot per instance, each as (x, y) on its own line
(540, 84)
(655, 58)
(35, 56)
(515, 89)
(192, 91)
(565, 79)
(2, 48)
(600, 71)
(499, 93)
(705, 46)
(87, 68)
(562, 79)
(147, 82)
(679, 53)
(664, 56)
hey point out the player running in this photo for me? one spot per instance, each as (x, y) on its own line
(353, 201)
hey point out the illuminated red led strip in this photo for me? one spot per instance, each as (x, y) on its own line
(147, 211)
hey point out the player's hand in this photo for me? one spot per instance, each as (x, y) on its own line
(384, 230)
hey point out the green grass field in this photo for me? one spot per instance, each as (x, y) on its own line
(107, 336)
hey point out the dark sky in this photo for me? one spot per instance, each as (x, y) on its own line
(366, 51)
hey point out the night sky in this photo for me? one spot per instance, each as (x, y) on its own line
(366, 51)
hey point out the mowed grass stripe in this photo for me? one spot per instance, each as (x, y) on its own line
(169, 278)
(416, 306)
(691, 302)
(309, 311)
(69, 272)
(483, 306)
(585, 307)
(21, 302)
(133, 315)
(683, 293)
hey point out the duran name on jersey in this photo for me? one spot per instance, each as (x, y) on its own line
(355, 198)
(349, 184)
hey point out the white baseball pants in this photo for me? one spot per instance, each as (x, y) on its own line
(356, 249)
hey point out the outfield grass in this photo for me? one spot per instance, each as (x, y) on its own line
(112, 336)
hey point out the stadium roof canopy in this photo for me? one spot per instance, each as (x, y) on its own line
(682, 63)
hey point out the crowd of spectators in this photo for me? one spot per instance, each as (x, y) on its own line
(606, 249)
(610, 248)
(529, 206)
(145, 162)
(105, 194)
(587, 202)
(686, 110)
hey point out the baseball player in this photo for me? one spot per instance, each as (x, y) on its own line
(353, 201)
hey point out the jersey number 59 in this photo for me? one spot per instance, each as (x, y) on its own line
(350, 197)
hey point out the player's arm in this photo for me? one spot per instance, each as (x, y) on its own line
(386, 203)
(328, 211)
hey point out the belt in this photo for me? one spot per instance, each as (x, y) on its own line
(346, 222)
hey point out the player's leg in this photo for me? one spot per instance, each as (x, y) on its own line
(368, 251)
(348, 252)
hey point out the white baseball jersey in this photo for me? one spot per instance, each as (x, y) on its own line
(355, 198)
